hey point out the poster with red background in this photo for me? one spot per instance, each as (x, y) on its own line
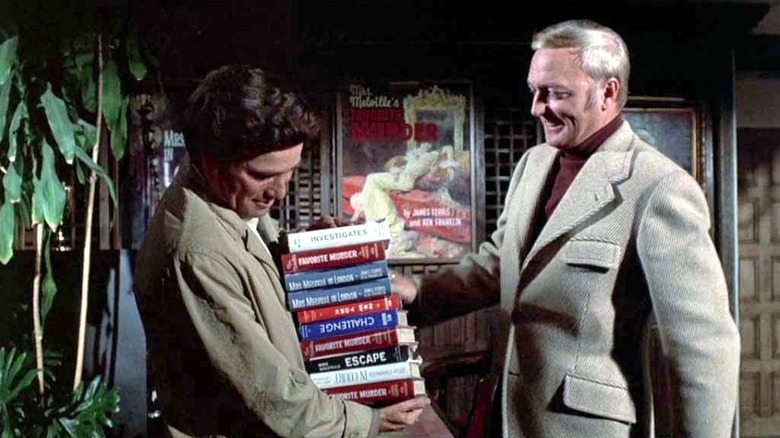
(405, 157)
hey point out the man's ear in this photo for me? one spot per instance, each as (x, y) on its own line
(611, 93)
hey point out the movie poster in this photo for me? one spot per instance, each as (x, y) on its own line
(404, 156)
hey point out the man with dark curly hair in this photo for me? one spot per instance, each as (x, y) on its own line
(224, 354)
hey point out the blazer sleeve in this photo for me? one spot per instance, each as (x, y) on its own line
(472, 284)
(279, 393)
(690, 300)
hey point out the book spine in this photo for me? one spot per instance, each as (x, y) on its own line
(340, 294)
(338, 236)
(349, 343)
(395, 353)
(333, 257)
(392, 391)
(375, 373)
(336, 276)
(305, 316)
(351, 324)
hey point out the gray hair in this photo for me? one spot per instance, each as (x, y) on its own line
(602, 52)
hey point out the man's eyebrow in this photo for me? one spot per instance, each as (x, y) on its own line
(272, 172)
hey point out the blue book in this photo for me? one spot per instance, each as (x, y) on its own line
(352, 324)
(340, 294)
(334, 277)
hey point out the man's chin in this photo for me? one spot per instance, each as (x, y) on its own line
(554, 141)
(557, 140)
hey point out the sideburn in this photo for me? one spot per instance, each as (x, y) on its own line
(218, 179)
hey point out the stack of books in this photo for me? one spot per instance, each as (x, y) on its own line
(353, 331)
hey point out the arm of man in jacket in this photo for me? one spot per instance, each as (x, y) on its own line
(690, 301)
(281, 394)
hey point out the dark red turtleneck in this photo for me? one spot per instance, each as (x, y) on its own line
(571, 161)
(566, 168)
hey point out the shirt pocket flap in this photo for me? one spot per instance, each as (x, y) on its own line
(605, 255)
(600, 399)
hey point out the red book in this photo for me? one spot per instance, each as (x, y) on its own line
(357, 342)
(333, 257)
(380, 393)
(305, 316)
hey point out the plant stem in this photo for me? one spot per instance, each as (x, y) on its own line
(37, 326)
(88, 230)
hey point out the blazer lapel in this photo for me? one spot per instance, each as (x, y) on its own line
(531, 187)
(591, 191)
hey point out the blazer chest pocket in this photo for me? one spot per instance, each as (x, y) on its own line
(599, 399)
(592, 253)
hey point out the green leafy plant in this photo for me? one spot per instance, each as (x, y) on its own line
(13, 382)
(64, 92)
(84, 413)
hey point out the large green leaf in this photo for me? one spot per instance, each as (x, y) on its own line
(86, 159)
(49, 194)
(7, 231)
(88, 89)
(112, 93)
(5, 94)
(49, 286)
(61, 126)
(7, 57)
(8, 431)
(16, 122)
(12, 184)
(86, 134)
(80, 175)
(119, 131)
(37, 213)
(134, 60)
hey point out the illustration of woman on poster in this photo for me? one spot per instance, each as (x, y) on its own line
(404, 161)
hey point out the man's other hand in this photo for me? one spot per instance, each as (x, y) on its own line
(403, 286)
(401, 415)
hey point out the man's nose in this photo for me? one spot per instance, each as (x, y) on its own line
(279, 186)
(538, 105)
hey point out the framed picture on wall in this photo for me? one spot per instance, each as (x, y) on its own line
(404, 155)
(672, 127)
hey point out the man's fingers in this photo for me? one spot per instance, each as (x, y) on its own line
(415, 403)
(406, 418)
(403, 414)
(413, 416)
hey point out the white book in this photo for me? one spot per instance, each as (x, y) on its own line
(339, 236)
(373, 373)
